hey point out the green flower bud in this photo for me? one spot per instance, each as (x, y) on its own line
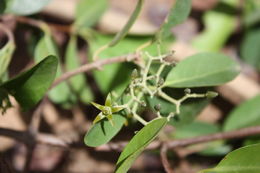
(134, 74)
(211, 94)
(160, 82)
(187, 91)
(157, 107)
(143, 104)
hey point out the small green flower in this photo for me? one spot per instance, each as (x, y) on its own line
(106, 110)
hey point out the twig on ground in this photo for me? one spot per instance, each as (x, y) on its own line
(250, 131)
(164, 159)
(26, 138)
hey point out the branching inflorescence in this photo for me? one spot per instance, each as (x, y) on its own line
(145, 82)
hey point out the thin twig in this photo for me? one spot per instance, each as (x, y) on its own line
(55, 141)
(29, 21)
(7, 32)
(165, 161)
(250, 131)
(36, 117)
(94, 65)
(38, 24)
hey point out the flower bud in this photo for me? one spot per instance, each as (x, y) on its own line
(157, 107)
(160, 82)
(143, 104)
(134, 74)
(187, 91)
(211, 94)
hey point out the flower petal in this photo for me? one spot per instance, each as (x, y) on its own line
(108, 101)
(117, 108)
(110, 119)
(99, 117)
(98, 106)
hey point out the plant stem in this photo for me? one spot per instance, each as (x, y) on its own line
(135, 106)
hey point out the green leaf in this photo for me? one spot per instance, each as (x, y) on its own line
(202, 69)
(250, 51)
(78, 84)
(25, 7)
(245, 115)
(30, 86)
(242, 160)
(45, 47)
(88, 12)
(178, 13)
(214, 20)
(5, 57)
(102, 132)
(138, 143)
(120, 35)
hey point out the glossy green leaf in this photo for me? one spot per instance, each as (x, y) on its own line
(5, 57)
(46, 46)
(202, 69)
(178, 14)
(245, 115)
(25, 7)
(138, 143)
(220, 20)
(88, 12)
(29, 87)
(102, 131)
(78, 84)
(250, 49)
(242, 160)
(120, 35)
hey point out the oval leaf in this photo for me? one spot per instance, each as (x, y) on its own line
(46, 46)
(202, 69)
(178, 13)
(250, 54)
(102, 132)
(245, 115)
(138, 143)
(29, 87)
(78, 83)
(88, 12)
(25, 7)
(242, 160)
